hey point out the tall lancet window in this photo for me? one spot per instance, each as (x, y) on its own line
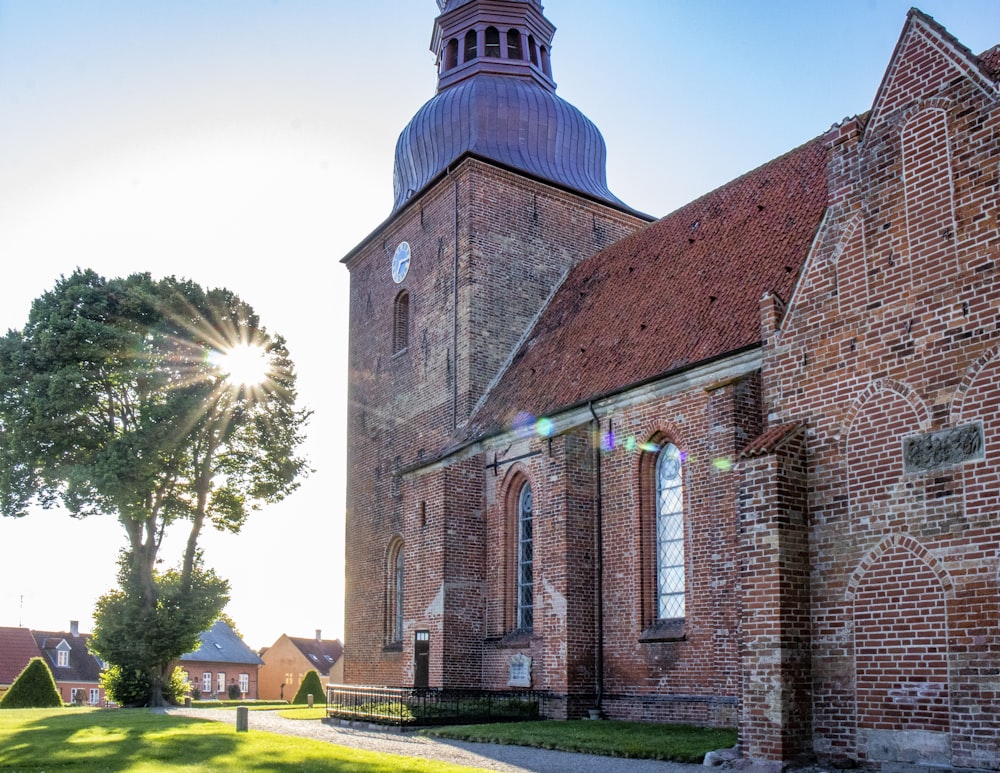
(670, 580)
(471, 46)
(394, 592)
(401, 322)
(525, 560)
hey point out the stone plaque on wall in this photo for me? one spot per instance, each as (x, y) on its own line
(944, 448)
(519, 671)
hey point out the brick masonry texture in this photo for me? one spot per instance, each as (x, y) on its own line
(787, 332)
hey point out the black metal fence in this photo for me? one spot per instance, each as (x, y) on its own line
(409, 706)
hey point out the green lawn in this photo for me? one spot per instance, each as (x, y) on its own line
(679, 743)
(139, 741)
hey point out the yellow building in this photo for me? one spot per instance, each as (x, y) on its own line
(290, 658)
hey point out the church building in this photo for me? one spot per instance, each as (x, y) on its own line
(736, 466)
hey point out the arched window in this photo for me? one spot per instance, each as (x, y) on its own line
(451, 54)
(394, 593)
(532, 50)
(492, 42)
(471, 46)
(525, 560)
(401, 322)
(670, 578)
(514, 45)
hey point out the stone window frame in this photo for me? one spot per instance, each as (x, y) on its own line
(516, 635)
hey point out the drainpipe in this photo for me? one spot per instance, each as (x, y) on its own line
(596, 437)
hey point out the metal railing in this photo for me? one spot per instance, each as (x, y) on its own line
(410, 706)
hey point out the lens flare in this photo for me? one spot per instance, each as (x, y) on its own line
(544, 427)
(723, 464)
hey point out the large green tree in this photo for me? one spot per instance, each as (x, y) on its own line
(152, 400)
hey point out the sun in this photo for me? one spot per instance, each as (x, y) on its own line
(243, 364)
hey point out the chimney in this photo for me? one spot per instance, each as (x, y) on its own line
(74, 628)
(319, 634)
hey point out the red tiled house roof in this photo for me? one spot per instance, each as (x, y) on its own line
(683, 291)
(17, 647)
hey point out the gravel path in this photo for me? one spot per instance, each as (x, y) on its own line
(488, 756)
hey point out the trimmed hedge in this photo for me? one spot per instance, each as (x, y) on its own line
(310, 685)
(34, 688)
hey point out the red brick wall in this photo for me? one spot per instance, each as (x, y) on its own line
(492, 245)
(893, 332)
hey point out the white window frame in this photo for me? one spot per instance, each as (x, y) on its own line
(671, 580)
(62, 658)
(244, 683)
(221, 681)
(206, 682)
(95, 696)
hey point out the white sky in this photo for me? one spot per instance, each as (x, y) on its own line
(249, 143)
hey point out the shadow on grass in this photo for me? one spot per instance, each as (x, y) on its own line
(141, 741)
(115, 740)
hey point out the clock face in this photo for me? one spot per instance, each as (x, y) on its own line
(400, 262)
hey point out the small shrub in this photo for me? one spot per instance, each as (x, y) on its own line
(234, 692)
(310, 686)
(34, 688)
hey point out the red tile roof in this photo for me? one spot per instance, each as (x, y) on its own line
(770, 439)
(682, 291)
(17, 647)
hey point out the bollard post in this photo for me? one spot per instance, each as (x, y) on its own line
(309, 699)
(187, 702)
(242, 719)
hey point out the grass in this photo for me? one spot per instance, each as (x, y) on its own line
(139, 741)
(678, 743)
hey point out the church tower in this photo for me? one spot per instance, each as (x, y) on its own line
(500, 188)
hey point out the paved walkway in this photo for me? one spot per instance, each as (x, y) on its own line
(487, 756)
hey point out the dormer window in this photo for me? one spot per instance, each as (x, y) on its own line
(493, 42)
(514, 45)
(62, 658)
(471, 46)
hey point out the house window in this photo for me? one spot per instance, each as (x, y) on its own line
(670, 579)
(401, 322)
(244, 683)
(221, 681)
(75, 695)
(62, 658)
(525, 560)
(206, 682)
(471, 45)
(394, 592)
(95, 696)
(514, 45)
(492, 42)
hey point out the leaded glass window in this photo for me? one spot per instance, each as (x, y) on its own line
(525, 559)
(670, 579)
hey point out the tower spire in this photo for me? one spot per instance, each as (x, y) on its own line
(503, 37)
(496, 100)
